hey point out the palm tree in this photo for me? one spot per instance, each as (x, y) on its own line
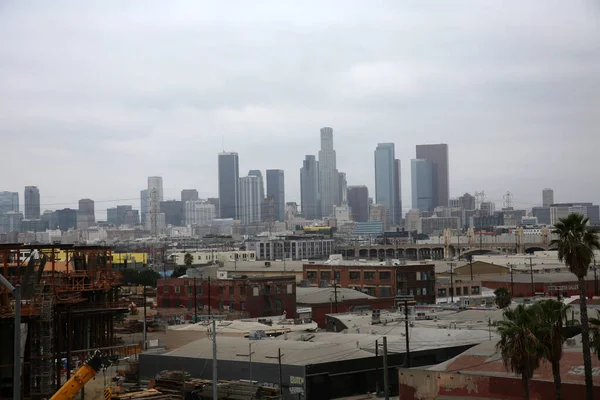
(503, 297)
(188, 259)
(595, 329)
(518, 345)
(576, 244)
(549, 315)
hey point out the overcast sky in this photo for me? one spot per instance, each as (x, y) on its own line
(97, 95)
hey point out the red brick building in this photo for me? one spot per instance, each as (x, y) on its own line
(251, 296)
(549, 284)
(380, 279)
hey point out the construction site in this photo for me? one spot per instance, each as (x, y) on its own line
(69, 301)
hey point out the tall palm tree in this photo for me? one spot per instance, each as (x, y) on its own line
(519, 347)
(188, 259)
(576, 244)
(549, 315)
(595, 330)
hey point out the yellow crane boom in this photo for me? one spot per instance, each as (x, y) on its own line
(87, 371)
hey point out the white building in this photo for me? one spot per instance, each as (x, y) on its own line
(342, 214)
(251, 189)
(413, 221)
(199, 212)
(547, 197)
(328, 174)
(563, 211)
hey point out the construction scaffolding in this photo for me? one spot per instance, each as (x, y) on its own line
(69, 303)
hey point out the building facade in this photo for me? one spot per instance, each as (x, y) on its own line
(9, 201)
(423, 185)
(291, 247)
(276, 190)
(253, 297)
(174, 212)
(229, 195)
(309, 188)
(328, 174)
(342, 188)
(438, 155)
(189, 195)
(199, 213)
(547, 197)
(542, 214)
(358, 201)
(251, 199)
(376, 279)
(438, 224)
(66, 219)
(386, 181)
(144, 206)
(32, 202)
(11, 222)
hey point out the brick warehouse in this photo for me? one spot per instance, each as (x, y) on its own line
(380, 279)
(253, 297)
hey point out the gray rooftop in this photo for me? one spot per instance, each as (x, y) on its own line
(538, 277)
(260, 266)
(315, 295)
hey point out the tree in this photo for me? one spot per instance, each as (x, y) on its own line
(503, 298)
(518, 345)
(148, 277)
(549, 316)
(129, 276)
(595, 329)
(188, 259)
(178, 271)
(576, 244)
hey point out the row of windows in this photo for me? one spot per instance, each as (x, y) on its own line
(442, 292)
(353, 275)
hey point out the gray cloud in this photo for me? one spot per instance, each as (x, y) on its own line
(98, 95)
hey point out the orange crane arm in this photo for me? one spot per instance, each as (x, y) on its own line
(82, 376)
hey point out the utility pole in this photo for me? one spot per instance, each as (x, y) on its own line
(471, 266)
(208, 311)
(377, 367)
(452, 281)
(386, 389)
(335, 295)
(490, 327)
(512, 282)
(406, 334)
(280, 374)
(195, 302)
(214, 362)
(531, 272)
(595, 280)
(145, 328)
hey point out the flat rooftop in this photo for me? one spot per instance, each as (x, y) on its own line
(260, 266)
(315, 295)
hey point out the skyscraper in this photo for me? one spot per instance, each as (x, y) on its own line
(276, 190)
(9, 201)
(358, 201)
(438, 155)
(309, 188)
(342, 188)
(174, 212)
(328, 174)
(32, 202)
(547, 197)
(229, 192)
(86, 207)
(387, 182)
(422, 172)
(144, 206)
(189, 195)
(398, 179)
(156, 182)
(67, 219)
(251, 198)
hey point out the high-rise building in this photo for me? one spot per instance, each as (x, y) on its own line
(122, 211)
(342, 188)
(387, 181)
(144, 206)
(562, 210)
(131, 218)
(215, 202)
(11, 221)
(276, 190)
(358, 201)
(251, 199)
(487, 208)
(309, 188)
(189, 195)
(111, 216)
(9, 201)
(542, 214)
(199, 213)
(32, 202)
(156, 182)
(398, 180)
(467, 201)
(438, 155)
(378, 212)
(67, 219)
(547, 197)
(86, 207)
(173, 210)
(413, 221)
(229, 192)
(328, 174)
(422, 185)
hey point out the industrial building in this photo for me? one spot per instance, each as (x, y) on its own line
(68, 305)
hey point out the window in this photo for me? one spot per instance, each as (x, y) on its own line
(336, 276)
(385, 275)
(242, 290)
(325, 275)
(165, 289)
(424, 291)
(177, 303)
(369, 275)
(278, 304)
(458, 291)
(290, 289)
(165, 304)
(177, 289)
(243, 305)
(231, 290)
(418, 291)
(199, 290)
(441, 292)
(370, 291)
(474, 289)
(231, 306)
(221, 291)
(311, 275)
(424, 276)
(278, 289)
(267, 289)
(221, 306)
(190, 304)
(385, 291)
(255, 291)
(355, 275)
(190, 290)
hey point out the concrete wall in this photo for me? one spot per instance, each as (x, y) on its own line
(431, 385)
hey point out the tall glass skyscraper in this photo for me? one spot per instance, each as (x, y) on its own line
(229, 193)
(328, 174)
(422, 185)
(438, 155)
(387, 181)
(309, 188)
(9, 201)
(32, 202)
(276, 190)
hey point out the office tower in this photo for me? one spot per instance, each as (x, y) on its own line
(542, 214)
(258, 174)
(144, 206)
(214, 201)
(85, 214)
(199, 213)
(328, 174)
(11, 221)
(342, 188)
(378, 212)
(9, 201)
(173, 210)
(189, 195)
(387, 181)
(413, 221)
(309, 188)
(32, 202)
(67, 219)
(276, 190)
(547, 197)
(131, 218)
(251, 199)
(111, 216)
(398, 180)
(438, 155)
(562, 210)
(156, 183)
(86, 207)
(122, 210)
(467, 201)
(487, 208)
(49, 217)
(422, 182)
(229, 194)
(358, 201)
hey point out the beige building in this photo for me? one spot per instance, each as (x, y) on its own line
(208, 256)
(261, 268)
